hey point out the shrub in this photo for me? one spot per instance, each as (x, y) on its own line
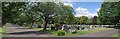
(60, 32)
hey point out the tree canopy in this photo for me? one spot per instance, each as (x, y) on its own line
(29, 13)
(109, 13)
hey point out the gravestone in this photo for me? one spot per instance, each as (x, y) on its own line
(85, 28)
(75, 27)
(82, 28)
(52, 28)
(39, 26)
(62, 28)
(78, 28)
(65, 27)
(91, 27)
(59, 27)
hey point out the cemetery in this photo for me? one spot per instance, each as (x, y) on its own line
(58, 19)
(72, 29)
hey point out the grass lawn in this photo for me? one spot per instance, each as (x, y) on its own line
(117, 35)
(79, 32)
(2, 30)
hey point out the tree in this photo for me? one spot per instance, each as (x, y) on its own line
(94, 21)
(29, 13)
(10, 11)
(67, 15)
(109, 13)
(83, 19)
(47, 11)
(32, 16)
(76, 20)
(89, 21)
(19, 13)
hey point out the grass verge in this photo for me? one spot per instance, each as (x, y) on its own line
(79, 32)
(2, 31)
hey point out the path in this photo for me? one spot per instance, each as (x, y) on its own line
(17, 31)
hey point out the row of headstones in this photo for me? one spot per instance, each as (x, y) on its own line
(81, 27)
(77, 27)
(73, 27)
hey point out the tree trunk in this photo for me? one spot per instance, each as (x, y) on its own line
(2, 24)
(32, 22)
(45, 25)
(31, 25)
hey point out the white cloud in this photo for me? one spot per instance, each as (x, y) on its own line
(96, 14)
(68, 0)
(84, 12)
(68, 4)
(98, 9)
(85, 1)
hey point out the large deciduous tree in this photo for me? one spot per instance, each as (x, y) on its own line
(109, 13)
(55, 11)
(94, 21)
(10, 11)
(47, 11)
(29, 13)
(83, 19)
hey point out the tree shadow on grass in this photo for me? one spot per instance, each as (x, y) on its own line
(48, 31)
(32, 32)
(23, 28)
(28, 32)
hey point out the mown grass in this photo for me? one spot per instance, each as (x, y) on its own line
(117, 35)
(79, 32)
(2, 31)
(98, 30)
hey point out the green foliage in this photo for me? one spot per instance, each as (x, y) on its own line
(109, 13)
(29, 13)
(76, 20)
(3, 30)
(66, 16)
(83, 19)
(56, 24)
(10, 11)
(89, 21)
(51, 11)
(94, 21)
(61, 32)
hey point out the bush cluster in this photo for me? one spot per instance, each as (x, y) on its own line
(61, 32)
